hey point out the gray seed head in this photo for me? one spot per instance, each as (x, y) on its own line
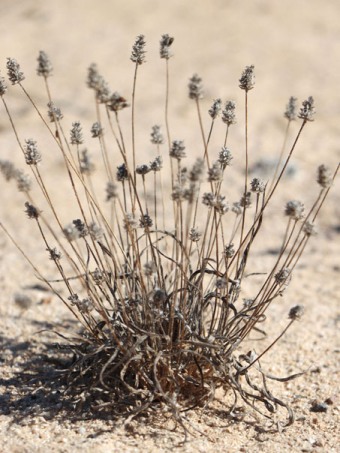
(76, 134)
(97, 130)
(86, 165)
(44, 68)
(225, 157)
(143, 169)
(81, 227)
(165, 43)
(15, 75)
(215, 109)
(145, 221)
(138, 52)
(215, 173)
(228, 113)
(3, 86)
(54, 113)
(283, 276)
(122, 173)
(194, 235)
(111, 191)
(291, 109)
(156, 135)
(195, 87)
(257, 185)
(324, 177)
(247, 80)
(229, 251)
(24, 182)
(177, 150)
(8, 169)
(294, 209)
(117, 102)
(31, 211)
(156, 164)
(296, 312)
(307, 111)
(309, 229)
(32, 155)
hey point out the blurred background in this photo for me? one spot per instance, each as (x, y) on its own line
(293, 45)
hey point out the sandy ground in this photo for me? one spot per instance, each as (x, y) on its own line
(294, 47)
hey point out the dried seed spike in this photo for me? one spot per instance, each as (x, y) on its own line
(138, 52)
(15, 75)
(45, 67)
(247, 80)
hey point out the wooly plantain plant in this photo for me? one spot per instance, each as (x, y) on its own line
(155, 280)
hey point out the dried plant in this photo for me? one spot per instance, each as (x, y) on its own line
(158, 290)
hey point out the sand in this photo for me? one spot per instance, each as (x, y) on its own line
(294, 47)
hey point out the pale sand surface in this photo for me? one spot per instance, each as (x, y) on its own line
(294, 46)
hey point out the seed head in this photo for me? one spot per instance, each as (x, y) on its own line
(86, 165)
(97, 276)
(13, 71)
(117, 102)
(8, 169)
(76, 134)
(122, 173)
(257, 185)
(309, 229)
(283, 276)
(215, 173)
(54, 113)
(237, 208)
(225, 157)
(71, 232)
(149, 268)
(291, 109)
(55, 255)
(177, 149)
(156, 135)
(296, 312)
(81, 227)
(44, 68)
(294, 209)
(130, 223)
(98, 84)
(195, 87)
(220, 205)
(208, 199)
(229, 251)
(31, 211)
(165, 43)
(32, 155)
(228, 113)
(156, 164)
(145, 221)
(307, 111)
(247, 80)
(194, 235)
(96, 130)
(111, 191)
(245, 201)
(3, 86)
(178, 192)
(95, 231)
(324, 177)
(138, 52)
(215, 109)
(143, 169)
(24, 182)
(196, 172)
